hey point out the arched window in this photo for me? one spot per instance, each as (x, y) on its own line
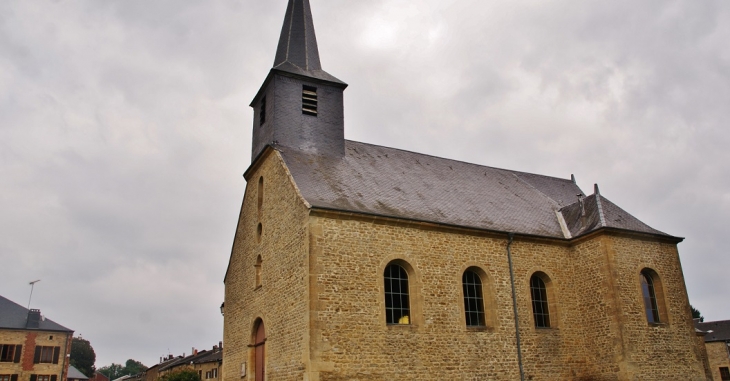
(649, 294)
(260, 196)
(257, 266)
(473, 299)
(540, 309)
(397, 303)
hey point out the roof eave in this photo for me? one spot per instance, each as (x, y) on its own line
(319, 210)
(274, 71)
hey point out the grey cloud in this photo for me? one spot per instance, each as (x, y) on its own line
(125, 128)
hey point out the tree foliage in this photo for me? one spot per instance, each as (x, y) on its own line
(134, 367)
(83, 356)
(130, 368)
(696, 314)
(185, 374)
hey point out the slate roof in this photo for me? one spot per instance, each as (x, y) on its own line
(389, 182)
(298, 52)
(76, 374)
(14, 316)
(720, 330)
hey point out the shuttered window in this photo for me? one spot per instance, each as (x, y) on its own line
(10, 353)
(46, 355)
(309, 100)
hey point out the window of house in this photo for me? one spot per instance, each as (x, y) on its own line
(214, 373)
(43, 377)
(10, 353)
(473, 299)
(649, 294)
(200, 374)
(8, 377)
(46, 355)
(725, 374)
(540, 309)
(397, 303)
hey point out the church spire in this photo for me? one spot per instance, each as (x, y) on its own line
(298, 43)
(299, 106)
(298, 52)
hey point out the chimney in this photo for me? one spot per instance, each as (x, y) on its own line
(220, 345)
(34, 319)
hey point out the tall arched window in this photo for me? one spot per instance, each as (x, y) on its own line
(649, 294)
(540, 309)
(257, 266)
(473, 299)
(260, 196)
(397, 303)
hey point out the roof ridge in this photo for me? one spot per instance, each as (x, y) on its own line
(550, 199)
(601, 215)
(461, 161)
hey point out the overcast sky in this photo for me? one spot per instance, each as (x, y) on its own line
(125, 129)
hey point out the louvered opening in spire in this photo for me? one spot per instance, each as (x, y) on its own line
(298, 43)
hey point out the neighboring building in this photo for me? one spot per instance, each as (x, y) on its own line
(32, 348)
(353, 261)
(717, 342)
(99, 377)
(206, 363)
(75, 374)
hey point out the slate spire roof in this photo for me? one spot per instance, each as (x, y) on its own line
(297, 52)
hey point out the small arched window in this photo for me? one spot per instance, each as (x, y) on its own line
(257, 266)
(260, 196)
(649, 293)
(397, 302)
(540, 308)
(473, 299)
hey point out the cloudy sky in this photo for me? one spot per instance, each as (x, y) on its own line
(125, 129)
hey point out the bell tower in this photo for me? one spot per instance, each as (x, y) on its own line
(299, 106)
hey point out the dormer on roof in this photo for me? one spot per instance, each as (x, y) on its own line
(299, 106)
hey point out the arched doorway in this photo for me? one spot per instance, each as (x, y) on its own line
(260, 352)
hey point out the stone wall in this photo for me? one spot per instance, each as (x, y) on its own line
(319, 292)
(717, 355)
(599, 330)
(281, 299)
(29, 340)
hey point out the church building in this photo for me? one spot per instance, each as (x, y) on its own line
(355, 262)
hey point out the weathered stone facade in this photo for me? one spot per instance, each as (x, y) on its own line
(30, 339)
(718, 355)
(280, 296)
(321, 299)
(323, 218)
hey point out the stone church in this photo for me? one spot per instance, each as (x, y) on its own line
(353, 261)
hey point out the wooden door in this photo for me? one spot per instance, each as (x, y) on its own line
(260, 347)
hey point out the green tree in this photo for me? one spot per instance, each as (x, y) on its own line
(185, 374)
(83, 356)
(133, 367)
(130, 368)
(696, 314)
(112, 371)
